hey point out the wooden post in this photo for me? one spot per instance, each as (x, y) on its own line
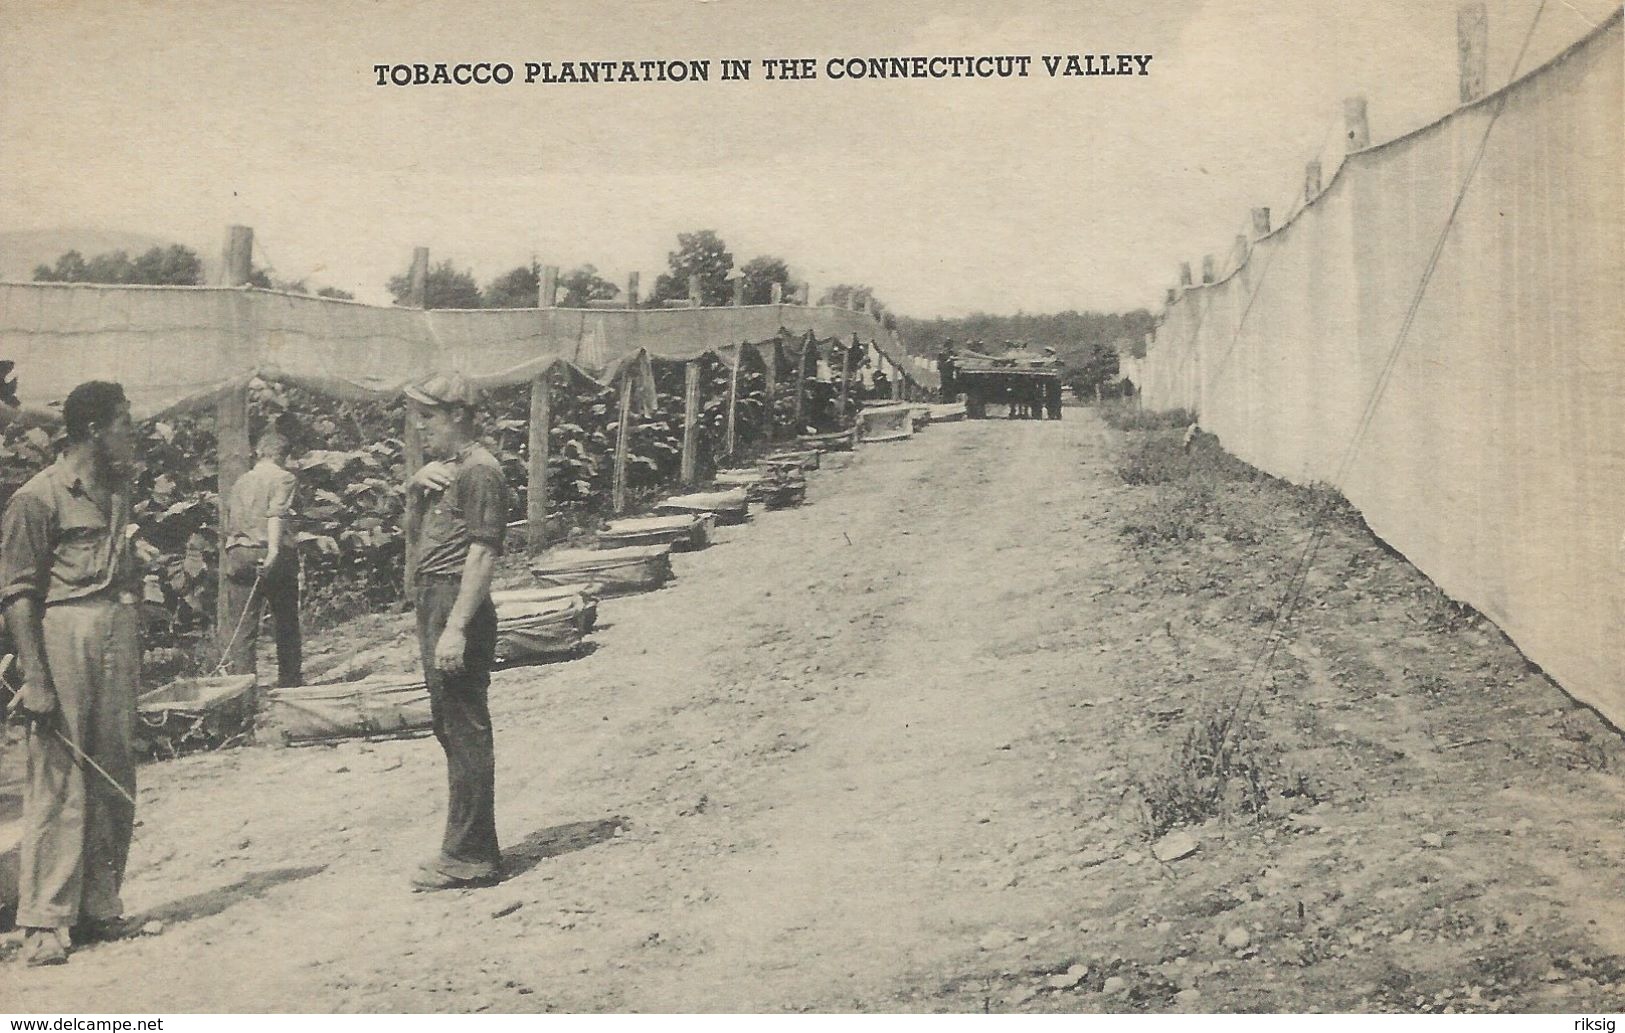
(691, 420)
(417, 293)
(846, 375)
(778, 293)
(1472, 48)
(1356, 128)
(731, 438)
(547, 295)
(412, 462)
(631, 290)
(739, 290)
(231, 462)
(896, 381)
(1311, 181)
(1261, 222)
(623, 441)
(1207, 269)
(541, 421)
(806, 292)
(238, 264)
(694, 295)
(1184, 274)
(801, 383)
(1242, 248)
(769, 385)
(1170, 297)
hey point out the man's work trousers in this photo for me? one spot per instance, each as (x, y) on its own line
(76, 827)
(278, 588)
(462, 723)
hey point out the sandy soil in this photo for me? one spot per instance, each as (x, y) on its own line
(887, 752)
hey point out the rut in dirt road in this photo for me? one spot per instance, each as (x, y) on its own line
(886, 751)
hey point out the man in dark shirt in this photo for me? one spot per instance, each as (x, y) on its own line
(262, 561)
(70, 590)
(464, 506)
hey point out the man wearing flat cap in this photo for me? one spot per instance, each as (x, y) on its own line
(464, 505)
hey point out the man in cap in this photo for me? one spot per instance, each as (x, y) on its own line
(463, 502)
(70, 588)
(262, 561)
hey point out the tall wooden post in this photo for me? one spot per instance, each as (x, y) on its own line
(691, 420)
(541, 419)
(412, 462)
(231, 462)
(623, 442)
(739, 290)
(778, 293)
(1356, 127)
(896, 381)
(1184, 274)
(1207, 269)
(731, 438)
(769, 385)
(1261, 222)
(417, 291)
(547, 295)
(695, 295)
(1472, 48)
(846, 376)
(238, 259)
(801, 383)
(632, 290)
(1242, 247)
(1311, 181)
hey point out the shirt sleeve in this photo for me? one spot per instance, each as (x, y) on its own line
(25, 548)
(485, 505)
(280, 503)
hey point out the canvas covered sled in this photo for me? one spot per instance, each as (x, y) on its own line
(621, 571)
(729, 507)
(679, 530)
(384, 704)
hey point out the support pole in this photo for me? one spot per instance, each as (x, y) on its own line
(1472, 48)
(1261, 222)
(1184, 274)
(632, 290)
(1207, 269)
(694, 295)
(417, 292)
(691, 420)
(1311, 181)
(846, 376)
(238, 264)
(623, 443)
(896, 381)
(1356, 127)
(801, 383)
(778, 293)
(232, 461)
(769, 385)
(731, 440)
(541, 419)
(411, 462)
(548, 292)
(739, 290)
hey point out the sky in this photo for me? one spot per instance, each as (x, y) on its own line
(946, 197)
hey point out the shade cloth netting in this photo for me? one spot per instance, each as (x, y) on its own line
(173, 347)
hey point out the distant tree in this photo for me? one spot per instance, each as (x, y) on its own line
(517, 288)
(174, 265)
(334, 292)
(1097, 368)
(846, 295)
(760, 274)
(701, 252)
(446, 287)
(583, 284)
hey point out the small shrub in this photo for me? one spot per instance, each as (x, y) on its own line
(1173, 517)
(1219, 768)
(1124, 416)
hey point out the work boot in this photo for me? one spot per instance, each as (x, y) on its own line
(100, 930)
(44, 947)
(430, 877)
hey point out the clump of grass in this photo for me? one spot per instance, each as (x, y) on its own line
(1175, 516)
(1221, 767)
(1123, 416)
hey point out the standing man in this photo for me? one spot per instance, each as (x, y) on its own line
(70, 589)
(262, 561)
(464, 506)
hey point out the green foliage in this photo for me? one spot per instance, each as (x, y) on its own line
(1219, 769)
(760, 274)
(519, 287)
(583, 284)
(175, 265)
(699, 253)
(446, 287)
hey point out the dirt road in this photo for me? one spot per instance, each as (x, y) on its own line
(891, 751)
